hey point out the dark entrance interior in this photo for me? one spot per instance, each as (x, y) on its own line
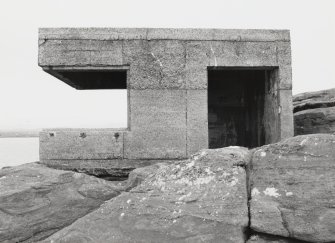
(236, 105)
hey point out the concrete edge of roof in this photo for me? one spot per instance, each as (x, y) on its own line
(163, 34)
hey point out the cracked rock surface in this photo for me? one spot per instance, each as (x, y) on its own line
(278, 193)
(292, 188)
(36, 201)
(203, 199)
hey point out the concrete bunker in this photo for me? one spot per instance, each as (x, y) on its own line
(188, 89)
(236, 105)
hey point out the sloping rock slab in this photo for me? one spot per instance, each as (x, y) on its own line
(320, 120)
(314, 112)
(36, 201)
(292, 188)
(313, 100)
(203, 199)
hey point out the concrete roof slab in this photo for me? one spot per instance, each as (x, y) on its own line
(164, 34)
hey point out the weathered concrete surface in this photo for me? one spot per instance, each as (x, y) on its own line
(158, 130)
(196, 63)
(36, 201)
(314, 112)
(81, 144)
(285, 114)
(203, 199)
(228, 54)
(80, 52)
(157, 64)
(165, 34)
(285, 65)
(292, 188)
(271, 105)
(197, 121)
(167, 58)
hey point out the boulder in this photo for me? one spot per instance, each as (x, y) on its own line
(292, 188)
(319, 120)
(137, 176)
(203, 199)
(36, 201)
(314, 112)
(312, 100)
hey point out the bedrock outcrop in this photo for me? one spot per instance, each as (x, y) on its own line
(36, 201)
(314, 112)
(278, 193)
(203, 199)
(292, 187)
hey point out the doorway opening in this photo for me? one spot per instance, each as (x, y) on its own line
(241, 107)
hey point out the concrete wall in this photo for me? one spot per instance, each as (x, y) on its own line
(167, 82)
(81, 144)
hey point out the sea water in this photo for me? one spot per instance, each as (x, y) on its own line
(16, 151)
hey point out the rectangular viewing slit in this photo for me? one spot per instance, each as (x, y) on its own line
(102, 96)
(95, 79)
(240, 107)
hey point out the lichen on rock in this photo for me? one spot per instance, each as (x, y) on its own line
(292, 189)
(203, 199)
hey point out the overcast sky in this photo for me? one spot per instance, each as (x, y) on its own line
(30, 98)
